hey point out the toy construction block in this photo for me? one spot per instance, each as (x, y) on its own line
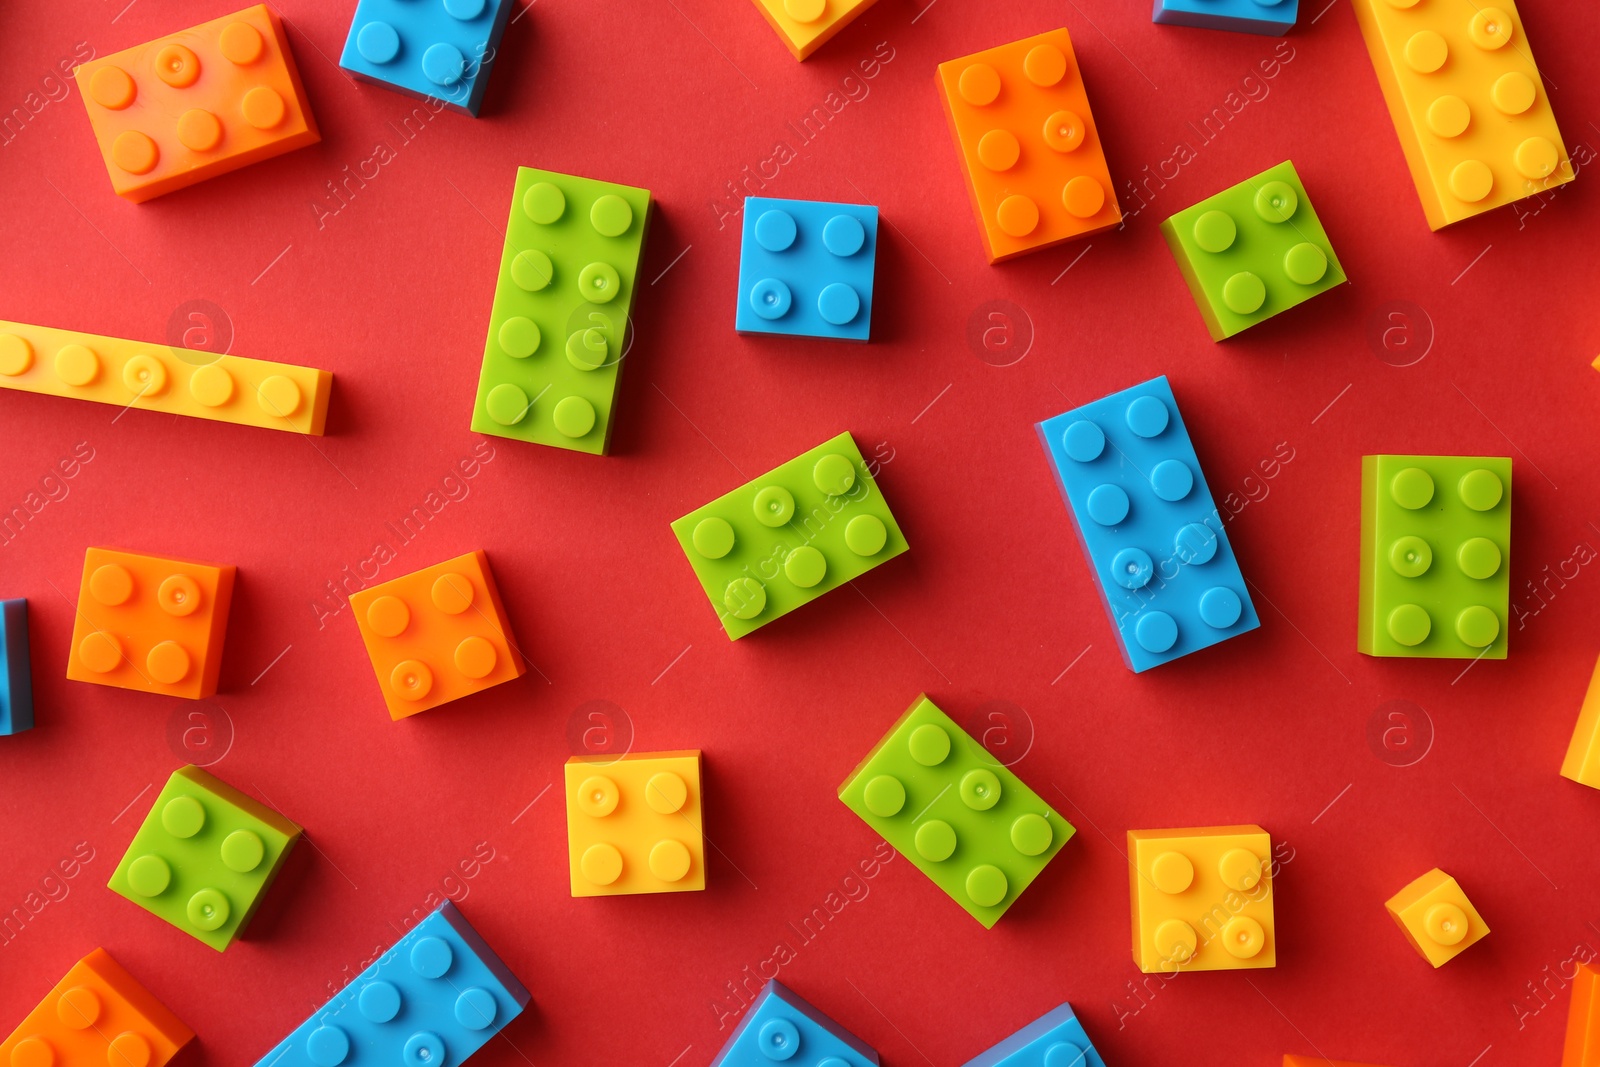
(1582, 762)
(1055, 1038)
(782, 1026)
(1202, 899)
(634, 824)
(806, 25)
(98, 1014)
(16, 675)
(435, 49)
(1271, 18)
(806, 269)
(1582, 1045)
(1437, 918)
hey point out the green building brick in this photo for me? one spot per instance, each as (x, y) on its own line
(1435, 551)
(949, 807)
(789, 536)
(559, 327)
(1252, 251)
(204, 857)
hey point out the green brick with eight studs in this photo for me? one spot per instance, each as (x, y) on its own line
(559, 326)
(204, 857)
(789, 536)
(1435, 554)
(1252, 251)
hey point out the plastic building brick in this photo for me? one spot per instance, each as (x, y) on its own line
(1202, 899)
(150, 624)
(789, 536)
(1272, 18)
(806, 25)
(1436, 917)
(204, 857)
(559, 327)
(1582, 762)
(1035, 168)
(98, 1014)
(1435, 538)
(1321, 1061)
(782, 1026)
(16, 675)
(1253, 251)
(961, 816)
(150, 377)
(633, 824)
(1467, 101)
(1055, 1039)
(1149, 528)
(806, 269)
(197, 103)
(436, 997)
(1582, 1045)
(437, 635)
(438, 49)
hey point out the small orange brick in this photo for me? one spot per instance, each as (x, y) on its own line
(197, 103)
(98, 1013)
(150, 624)
(1035, 168)
(437, 635)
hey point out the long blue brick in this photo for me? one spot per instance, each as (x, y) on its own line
(782, 1028)
(436, 997)
(16, 677)
(1148, 525)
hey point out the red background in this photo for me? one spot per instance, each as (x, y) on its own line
(993, 602)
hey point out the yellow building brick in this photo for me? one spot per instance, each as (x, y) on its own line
(1202, 899)
(633, 824)
(806, 25)
(1467, 101)
(1582, 764)
(1438, 919)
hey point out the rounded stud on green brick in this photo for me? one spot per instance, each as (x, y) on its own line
(865, 535)
(929, 745)
(506, 404)
(1409, 624)
(986, 885)
(935, 840)
(519, 337)
(183, 817)
(884, 796)
(1478, 557)
(1276, 201)
(149, 876)
(1477, 626)
(833, 474)
(1214, 231)
(611, 216)
(243, 851)
(980, 789)
(599, 283)
(531, 270)
(207, 910)
(805, 567)
(745, 598)
(1411, 488)
(1031, 834)
(573, 416)
(713, 537)
(773, 506)
(1480, 490)
(1244, 293)
(1410, 557)
(1305, 264)
(544, 203)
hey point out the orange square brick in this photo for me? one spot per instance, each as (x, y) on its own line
(195, 104)
(97, 1014)
(150, 624)
(437, 635)
(1035, 168)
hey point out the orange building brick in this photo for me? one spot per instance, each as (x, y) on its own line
(197, 103)
(1582, 1045)
(150, 624)
(1035, 168)
(97, 1014)
(437, 635)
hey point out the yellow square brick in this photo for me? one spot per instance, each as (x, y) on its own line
(1582, 762)
(805, 25)
(1202, 899)
(633, 824)
(1472, 114)
(1438, 919)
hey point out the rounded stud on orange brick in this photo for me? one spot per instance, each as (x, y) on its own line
(388, 616)
(199, 130)
(1083, 197)
(263, 108)
(111, 584)
(241, 43)
(32, 1052)
(600, 864)
(1172, 873)
(1017, 215)
(112, 88)
(998, 150)
(167, 663)
(178, 66)
(452, 593)
(805, 11)
(179, 595)
(979, 84)
(669, 860)
(475, 657)
(129, 1049)
(100, 652)
(211, 386)
(1449, 116)
(1064, 131)
(144, 375)
(411, 680)
(77, 365)
(279, 396)
(16, 355)
(79, 1008)
(1045, 65)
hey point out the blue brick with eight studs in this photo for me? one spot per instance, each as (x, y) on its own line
(442, 49)
(806, 267)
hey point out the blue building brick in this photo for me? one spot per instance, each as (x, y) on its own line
(806, 267)
(781, 1027)
(443, 49)
(1148, 525)
(433, 999)
(16, 678)
(1055, 1039)
(1273, 18)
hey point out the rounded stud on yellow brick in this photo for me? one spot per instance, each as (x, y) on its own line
(600, 864)
(1239, 869)
(279, 396)
(77, 365)
(1426, 51)
(1536, 158)
(144, 375)
(1172, 872)
(1445, 924)
(669, 860)
(598, 796)
(1490, 29)
(804, 11)
(1175, 941)
(211, 386)
(666, 793)
(1409, 624)
(16, 355)
(1243, 938)
(979, 84)
(986, 885)
(935, 840)
(1449, 116)
(1471, 181)
(1513, 93)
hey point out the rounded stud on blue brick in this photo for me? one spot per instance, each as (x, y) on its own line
(778, 1040)
(327, 1046)
(838, 304)
(1147, 416)
(423, 1049)
(1171, 479)
(770, 298)
(443, 64)
(378, 42)
(1132, 568)
(1108, 504)
(843, 235)
(1156, 632)
(431, 957)
(1195, 543)
(475, 1008)
(378, 1001)
(776, 230)
(1084, 441)
(464, 10)
(1220, 608)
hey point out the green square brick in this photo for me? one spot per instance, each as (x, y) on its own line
(790, 536)
(1252, 251)
(952, 809)
(204, 857)
(1435, 551)
(559, 328)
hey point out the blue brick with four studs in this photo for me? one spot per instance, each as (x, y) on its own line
(806, 269)
(442, 49)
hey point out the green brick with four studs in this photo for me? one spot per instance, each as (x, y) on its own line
(790, 536)
(1252, 251)
(1435, 553)
(204, 857)
(951, 808)
(559, 328)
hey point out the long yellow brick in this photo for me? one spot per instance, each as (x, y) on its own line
(152, 377)
(1467, 101)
